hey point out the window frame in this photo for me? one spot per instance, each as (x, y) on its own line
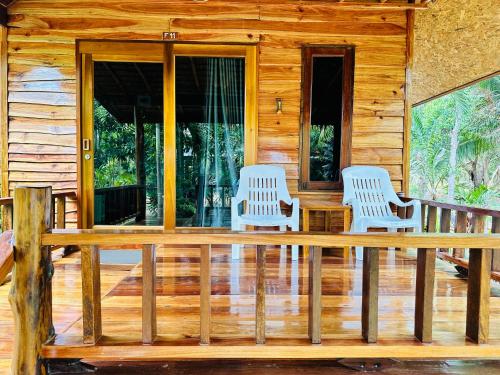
(308, 53)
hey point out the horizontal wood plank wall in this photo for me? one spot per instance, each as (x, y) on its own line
(42, 74)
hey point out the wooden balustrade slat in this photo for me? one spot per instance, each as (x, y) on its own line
(495, 261)
(369, 307)
(431, 219)
(148, 294)
(422, 213)
(260, 296)
(460, 227)
(61, 213)
(314, 295)
(205, 292)
(31, 292)
(444, 224)
(7, 216)
(478, 289)
(53, 212)
(426, 264)
(457, 207)
(478, 296)
(91, 294)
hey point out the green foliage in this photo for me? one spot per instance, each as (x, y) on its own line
(322, 149)
(474, 112)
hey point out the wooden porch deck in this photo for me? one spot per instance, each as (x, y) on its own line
(233, 303)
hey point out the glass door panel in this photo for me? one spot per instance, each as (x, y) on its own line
(128, 143)
(210, 112)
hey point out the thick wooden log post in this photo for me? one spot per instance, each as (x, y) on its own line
(260, 296)
(369, 308)
(205, 292)
(31, 293)
(426, 264)
(148, 294)
(477, 323)
(91, 294)
(314, 317)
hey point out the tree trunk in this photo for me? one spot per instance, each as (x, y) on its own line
(453, 152)
(31, 292)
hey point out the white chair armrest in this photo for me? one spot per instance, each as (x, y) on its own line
(295, 210)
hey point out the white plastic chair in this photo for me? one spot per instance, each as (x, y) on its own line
(263, 187)
(369, 191)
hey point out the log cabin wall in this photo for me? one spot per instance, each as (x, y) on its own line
(42, 74)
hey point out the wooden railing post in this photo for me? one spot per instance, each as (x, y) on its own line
(478, 289)
(314, 300)
(369, 308)
(91, 294)
(148, 294)
(205, 292)
(431, 219)
(31, 292)
(444, 223)
(260, 296)
(61, 212)
(423, 211)
(495, 261)
(7, 213)
(426, 264)
(460, 227)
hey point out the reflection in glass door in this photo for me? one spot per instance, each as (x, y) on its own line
(128, 143)
(210, 109)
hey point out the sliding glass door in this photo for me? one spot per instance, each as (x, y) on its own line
(165, 131)
(210, 136)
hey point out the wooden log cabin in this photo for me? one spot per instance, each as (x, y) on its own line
(121, 101)
(45, 44)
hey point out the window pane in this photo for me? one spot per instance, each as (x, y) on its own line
(326, 118)
(128, 143)
(210, 95)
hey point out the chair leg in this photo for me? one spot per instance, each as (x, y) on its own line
(236, 248)
(359, 252)
(283, 247)
(392, 230)
(235, 252)
(295, 248)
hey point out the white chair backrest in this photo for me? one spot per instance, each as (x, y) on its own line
(372, 189)
(263, 187)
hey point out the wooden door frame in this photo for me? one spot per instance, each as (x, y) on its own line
(89, 51)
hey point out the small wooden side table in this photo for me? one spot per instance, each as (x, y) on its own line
(308, 205)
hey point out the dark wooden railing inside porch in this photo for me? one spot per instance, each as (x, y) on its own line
(35, 336)
(58, 217)
(441, 217)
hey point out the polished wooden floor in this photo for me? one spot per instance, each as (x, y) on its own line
(233, 300)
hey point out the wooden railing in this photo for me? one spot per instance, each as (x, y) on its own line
(440, 217)
(34, 338)
(58, 210)
(114, 205)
